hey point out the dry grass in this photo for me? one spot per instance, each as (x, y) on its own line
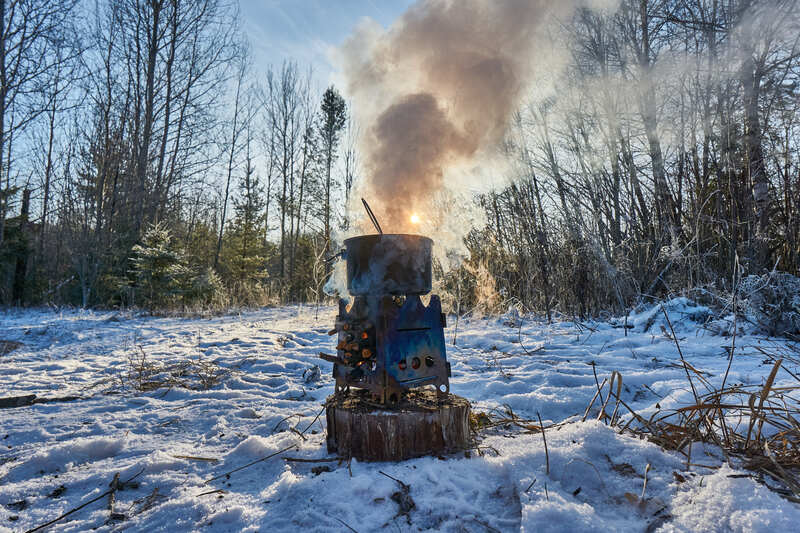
(756, 424)
(144, 374)
(506, 419)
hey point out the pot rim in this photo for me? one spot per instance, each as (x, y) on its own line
(379, 236)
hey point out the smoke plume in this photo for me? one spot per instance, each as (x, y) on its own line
(433, 95)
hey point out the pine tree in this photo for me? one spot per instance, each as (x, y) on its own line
(244, 246)
(332, 118)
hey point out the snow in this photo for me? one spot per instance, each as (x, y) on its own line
(61, 458)
(265, 391)
(731, 504)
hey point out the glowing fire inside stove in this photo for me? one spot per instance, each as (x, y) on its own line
(415, 218)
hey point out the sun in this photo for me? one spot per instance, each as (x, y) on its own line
(415, 218)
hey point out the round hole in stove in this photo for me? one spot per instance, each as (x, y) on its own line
(402, 364)
(443, 387)
(415, 363)
(429, 361)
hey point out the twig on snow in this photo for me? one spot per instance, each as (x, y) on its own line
(150, 501)
(215, 491)
(115, 486)
(81, 506)
(195, 458)
(596, 381)
(345, 524)
(250, 464)
(599, 387)
(519, 339)
(402, 498)
(315, 419)
(304, 460)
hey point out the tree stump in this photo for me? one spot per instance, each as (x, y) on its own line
(423, 423)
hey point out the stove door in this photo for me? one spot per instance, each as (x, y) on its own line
(414, 346)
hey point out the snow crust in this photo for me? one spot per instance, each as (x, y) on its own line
(175, 439)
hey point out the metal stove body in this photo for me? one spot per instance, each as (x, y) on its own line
(389, 341)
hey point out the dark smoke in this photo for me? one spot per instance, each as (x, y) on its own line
(412, 143)
(435, 93)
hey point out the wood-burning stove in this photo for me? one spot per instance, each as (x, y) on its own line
(389, 341)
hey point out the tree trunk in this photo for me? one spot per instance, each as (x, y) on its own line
(285, 180)
(2, 112)
(647, 110)
(21, 267)
(751, 85)
(268, 192)
(328, 164)
(48, 170)
(231, 156)
(162, 149)
(149, 114)
(423, 424)
(296, 238)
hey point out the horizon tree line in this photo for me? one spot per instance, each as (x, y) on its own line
(145, 161)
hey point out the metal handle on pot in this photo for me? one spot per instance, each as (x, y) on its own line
(340, 254)
(372, 216)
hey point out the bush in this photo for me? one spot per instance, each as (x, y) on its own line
(206, 289)
(772, 302)
(164, 279)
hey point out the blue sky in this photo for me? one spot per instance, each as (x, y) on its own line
(304, 30)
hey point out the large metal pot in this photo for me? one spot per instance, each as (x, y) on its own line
(388, 264)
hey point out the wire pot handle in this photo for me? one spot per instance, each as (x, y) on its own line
(372, 216)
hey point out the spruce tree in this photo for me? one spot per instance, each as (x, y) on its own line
(159, 268)
(244, 246)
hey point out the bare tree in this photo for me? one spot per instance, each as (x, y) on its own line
(244, 109)
(31, 33)
(284, 97)
(351, 162)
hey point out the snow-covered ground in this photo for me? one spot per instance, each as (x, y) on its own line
(57, 455)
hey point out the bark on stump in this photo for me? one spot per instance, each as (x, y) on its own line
(422, 424)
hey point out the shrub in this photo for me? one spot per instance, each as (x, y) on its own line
(772, 302)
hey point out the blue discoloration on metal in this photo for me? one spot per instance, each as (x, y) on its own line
(417, 333)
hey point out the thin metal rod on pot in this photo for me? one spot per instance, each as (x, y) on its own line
(372, 216)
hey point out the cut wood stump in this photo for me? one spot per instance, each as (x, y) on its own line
(423, 423)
